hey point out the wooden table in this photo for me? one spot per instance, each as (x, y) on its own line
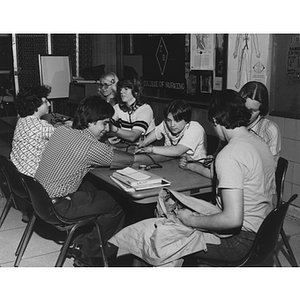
(184, 181)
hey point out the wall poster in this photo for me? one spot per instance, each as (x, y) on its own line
(206, 83)
(293, 60)
(202, 52)
(248, 59)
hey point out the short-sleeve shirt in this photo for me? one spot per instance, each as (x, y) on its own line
(68, 157)
(246, 163)
(30, 138)
(193, 137)
(141, 118)
(270, 133)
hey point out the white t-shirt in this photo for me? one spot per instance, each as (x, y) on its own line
(192, 136)
(247, 163)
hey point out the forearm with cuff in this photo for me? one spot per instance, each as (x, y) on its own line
(122, 159)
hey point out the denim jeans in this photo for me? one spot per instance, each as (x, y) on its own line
(231, 249)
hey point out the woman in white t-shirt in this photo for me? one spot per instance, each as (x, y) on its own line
(181, 135)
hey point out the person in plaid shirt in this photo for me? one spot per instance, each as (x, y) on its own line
(66, 160)
(31, 133)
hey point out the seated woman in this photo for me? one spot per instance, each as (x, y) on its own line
(108, 87)
(182, 136)
(257, 101)
(132, 117)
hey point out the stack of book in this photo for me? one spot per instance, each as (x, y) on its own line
(136, 180)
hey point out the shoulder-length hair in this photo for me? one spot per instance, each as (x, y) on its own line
(179, 109)
(134, 83)
(228, 109)
(257, 91)
(90, 110)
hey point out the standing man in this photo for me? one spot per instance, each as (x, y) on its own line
(67, 158)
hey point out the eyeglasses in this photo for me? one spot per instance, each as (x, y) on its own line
(105, 86)
(45, 100)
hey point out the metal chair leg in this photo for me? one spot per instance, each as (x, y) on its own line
(24, 240)
(276, 259)
(24, 235)
(293, 261)
(63, 251)
(104, 258)
(6, 210)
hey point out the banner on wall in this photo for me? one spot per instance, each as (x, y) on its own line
(164, 62)
(247, 59)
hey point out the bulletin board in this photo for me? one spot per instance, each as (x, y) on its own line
(285, 79)
(55, 71)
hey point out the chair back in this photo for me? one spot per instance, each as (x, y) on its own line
(40, 200)
(14, 182)
(268, 234)
(212, 144)
(280, 173)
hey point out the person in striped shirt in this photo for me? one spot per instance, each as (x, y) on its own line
(133, 117)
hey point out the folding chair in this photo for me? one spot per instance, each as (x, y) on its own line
(281, 170)
(45, 209)
(264, 243)
(18, 196)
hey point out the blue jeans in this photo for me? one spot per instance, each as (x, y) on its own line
(230, 250)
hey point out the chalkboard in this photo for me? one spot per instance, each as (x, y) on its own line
(55, 71)
(285, 78)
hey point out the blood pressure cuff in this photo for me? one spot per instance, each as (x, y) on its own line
(122, 159)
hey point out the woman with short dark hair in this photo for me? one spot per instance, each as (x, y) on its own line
(181, 135)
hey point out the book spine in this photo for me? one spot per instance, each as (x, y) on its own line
(133, 183)
(122, 178)
(145, 182)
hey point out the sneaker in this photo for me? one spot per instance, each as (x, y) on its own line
(73, 251)
(25, 217)
(82, 260)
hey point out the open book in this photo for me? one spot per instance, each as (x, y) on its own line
(139, 179)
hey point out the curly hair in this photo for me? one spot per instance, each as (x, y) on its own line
(91, 109)
(228, 109)
(29, 99)
(257, 91)
(179, 109)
